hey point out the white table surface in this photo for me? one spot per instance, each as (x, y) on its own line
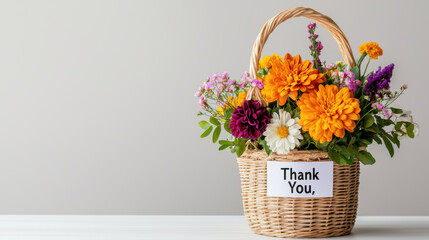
(60, 227)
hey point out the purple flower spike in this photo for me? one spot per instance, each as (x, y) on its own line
(378, 82)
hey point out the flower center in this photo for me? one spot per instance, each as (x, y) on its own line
(330, 108)
(283, 131)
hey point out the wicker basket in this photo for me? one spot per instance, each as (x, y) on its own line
(297, 217)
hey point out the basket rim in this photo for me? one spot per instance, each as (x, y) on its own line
(252, 155)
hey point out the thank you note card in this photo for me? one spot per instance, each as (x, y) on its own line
(299, 179)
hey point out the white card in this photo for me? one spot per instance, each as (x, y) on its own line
(300, 179)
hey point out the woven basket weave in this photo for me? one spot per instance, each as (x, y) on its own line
(297, 217)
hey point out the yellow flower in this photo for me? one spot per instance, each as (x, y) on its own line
(233, 102)
(266, 62)
(238, 101)
(288, 77)
(372, 49)
(328, 111)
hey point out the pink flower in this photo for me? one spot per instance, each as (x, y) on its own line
(220, 87)
(405, 86)
(257, 83)
(377, 105)
(213, 77)
(224, 75)
(245, 76)
(331, 66)
(385, 112)
(210, 84)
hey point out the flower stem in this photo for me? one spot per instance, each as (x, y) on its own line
(362, 57)
(366, 67)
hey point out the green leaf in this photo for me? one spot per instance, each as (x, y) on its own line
(377, 139)
(352, 140)
(241, 146)
(265, 146)
(374, 128)
(365, 158)
(223, 147)
(322, 146)
(364, 142)
(398, 126)
(368, 121)
(214, 121)
(207, 132)
(355, 70)
(204, 124)
(336, 157)
(216, 134)
(261, 73)
(288, 108)
(389, 145)
(396, 110)
(392, 139)
(226, 142)
(226, 126)
(410, 130)
(396, 137)
(345, 154)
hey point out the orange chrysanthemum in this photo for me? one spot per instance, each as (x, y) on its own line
(288, 77)
(372, 49)
(328, 111)
(267, 61)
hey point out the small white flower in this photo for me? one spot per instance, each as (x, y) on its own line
(283, 132)
(407, 117)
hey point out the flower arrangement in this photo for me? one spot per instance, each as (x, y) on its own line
(308, 105)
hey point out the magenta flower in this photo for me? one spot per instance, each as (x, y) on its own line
(249, 120)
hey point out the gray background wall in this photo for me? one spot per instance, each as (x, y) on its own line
(97, 114)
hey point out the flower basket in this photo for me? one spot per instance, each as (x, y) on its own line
(301, 128)
(298, 217)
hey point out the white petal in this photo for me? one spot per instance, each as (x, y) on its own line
(286, 143)
(291, 138)
(293, 131)
(290, 122)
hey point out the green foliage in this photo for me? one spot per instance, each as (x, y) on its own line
(216, 134)
(365, 157)
(263, 72)
(214, 121)
(368, 121)
(388, 145)
(207, 132)
(226, 126)
(204, 124)
(410, 130)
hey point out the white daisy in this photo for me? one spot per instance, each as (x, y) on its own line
(283, 132)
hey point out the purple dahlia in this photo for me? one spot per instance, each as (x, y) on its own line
(378, 82)
(249, 121)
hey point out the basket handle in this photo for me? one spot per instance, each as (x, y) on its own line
(326, 22)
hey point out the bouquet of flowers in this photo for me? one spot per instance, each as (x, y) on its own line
(307, 105)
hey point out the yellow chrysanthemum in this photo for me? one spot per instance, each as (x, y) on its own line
(288, 77)
(266, 62)
(372, 49)
(233, 102)
(328, 111)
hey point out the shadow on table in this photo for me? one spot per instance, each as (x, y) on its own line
(418, 231)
